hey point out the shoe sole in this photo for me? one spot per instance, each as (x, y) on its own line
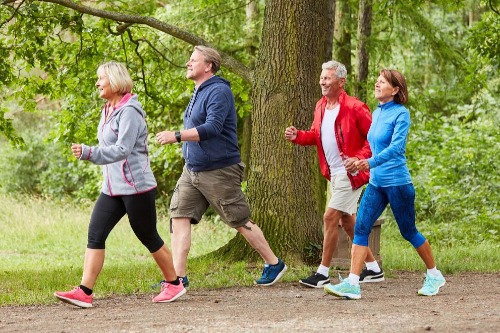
(320, 284)
(434, 294)
(372, 279)
(344, 295)
(74, 302)
(275, 280)
(173, 298)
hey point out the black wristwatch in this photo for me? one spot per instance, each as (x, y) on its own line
(178, 136)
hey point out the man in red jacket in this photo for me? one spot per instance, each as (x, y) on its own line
(339, 130)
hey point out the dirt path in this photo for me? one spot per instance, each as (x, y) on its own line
(467, 303)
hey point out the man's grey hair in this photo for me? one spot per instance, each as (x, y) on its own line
(340, 69)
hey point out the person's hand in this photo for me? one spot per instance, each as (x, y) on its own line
(290, 133)
(76, 149)
(350, 164)
(166, 137)
(362, 165)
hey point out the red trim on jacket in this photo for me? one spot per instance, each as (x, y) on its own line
(351, 128)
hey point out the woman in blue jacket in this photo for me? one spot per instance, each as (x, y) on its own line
(390, 183)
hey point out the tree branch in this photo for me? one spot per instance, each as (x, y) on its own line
(493, 8)
(13, 14)
(228, 61)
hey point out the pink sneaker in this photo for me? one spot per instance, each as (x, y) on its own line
(169, 292)
(75, 297)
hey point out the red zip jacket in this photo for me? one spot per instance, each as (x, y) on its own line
(351, 128)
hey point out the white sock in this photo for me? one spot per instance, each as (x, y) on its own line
(373, 266)
(323, 270)
(353, 279)
(433, 271)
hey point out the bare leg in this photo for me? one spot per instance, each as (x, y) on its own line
(425, 252)
(94, 260)
(254, 236)
(181, 243)
(331, 220)
(163, 258)
(348, 222)
(358, 255)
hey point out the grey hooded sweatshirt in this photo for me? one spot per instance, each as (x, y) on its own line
(123, 150)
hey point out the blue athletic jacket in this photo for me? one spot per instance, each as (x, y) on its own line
(212, 112)
(387, 138)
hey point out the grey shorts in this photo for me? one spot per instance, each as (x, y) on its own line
(220, 188)
(344, 198)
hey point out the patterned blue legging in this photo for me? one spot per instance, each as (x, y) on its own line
(402, 201)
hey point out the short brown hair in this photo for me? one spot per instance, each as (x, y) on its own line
(211, 56)
(397, 79)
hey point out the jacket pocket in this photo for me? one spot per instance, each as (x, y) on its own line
(127, 174)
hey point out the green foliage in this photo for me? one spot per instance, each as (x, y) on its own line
(455, 177)
(54, 52)
(484, 37)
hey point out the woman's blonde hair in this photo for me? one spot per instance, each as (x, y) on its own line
(119, 77)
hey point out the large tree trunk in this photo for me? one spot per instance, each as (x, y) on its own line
(362, 56)
(285, 189)
(342, 34)
(252, 41)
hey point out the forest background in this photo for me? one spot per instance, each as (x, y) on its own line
(272, 54)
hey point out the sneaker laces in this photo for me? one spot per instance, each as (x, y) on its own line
(428, 281)
(265, 272)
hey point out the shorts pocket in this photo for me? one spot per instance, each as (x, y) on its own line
(174, 202)
(235, 210)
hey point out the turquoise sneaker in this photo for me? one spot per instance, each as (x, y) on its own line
(432, 285)
(344, 289)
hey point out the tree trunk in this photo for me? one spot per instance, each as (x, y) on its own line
(342, 34)
(285, 189)
(362, 56)
(252, 41)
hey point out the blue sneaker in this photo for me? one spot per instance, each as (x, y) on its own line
(432, 285)
(185, 283)
(344, 289)
(271, 274)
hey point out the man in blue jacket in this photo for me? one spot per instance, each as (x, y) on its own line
(213, 171)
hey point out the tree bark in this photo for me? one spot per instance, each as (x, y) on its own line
(362, 56)
(342, 34)
(252, 37)
(285, 189)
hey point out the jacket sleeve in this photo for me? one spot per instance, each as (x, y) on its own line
(130, 122)
(364, 121)
(306, 138)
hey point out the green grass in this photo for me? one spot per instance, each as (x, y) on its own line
(460, 256)
(43, 243)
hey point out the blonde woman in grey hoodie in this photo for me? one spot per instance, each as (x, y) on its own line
(128, 187)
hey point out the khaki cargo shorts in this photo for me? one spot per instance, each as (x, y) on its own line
(220, 188)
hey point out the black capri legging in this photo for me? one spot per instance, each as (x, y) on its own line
(141, 211)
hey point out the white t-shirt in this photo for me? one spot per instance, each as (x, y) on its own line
(329, 141)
